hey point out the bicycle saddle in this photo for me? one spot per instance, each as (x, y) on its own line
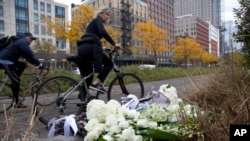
(5, 62)
(73, 58)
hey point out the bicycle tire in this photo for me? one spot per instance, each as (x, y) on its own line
(132, 84)
(57, 86)
(5, 98)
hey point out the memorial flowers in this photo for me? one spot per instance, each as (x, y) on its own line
(113, 122)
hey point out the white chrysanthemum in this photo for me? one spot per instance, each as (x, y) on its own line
(113, 130)
(137, 138)
(108, 137)
(152, 124)
(95, 102)
(128, 134)
(94, 125)
(113, 103)
(97, 110)
(123, 124)
(111, 120)
(132, 114)
(91, 136)
(142, 123)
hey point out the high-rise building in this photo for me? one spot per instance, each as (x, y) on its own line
(193, 27)
(27, 16)
(207, 10)
(162, 13)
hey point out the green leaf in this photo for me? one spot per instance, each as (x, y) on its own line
(100, 139)
(160, 135)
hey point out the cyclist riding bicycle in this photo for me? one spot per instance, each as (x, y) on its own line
(91, 52)
(20, 47)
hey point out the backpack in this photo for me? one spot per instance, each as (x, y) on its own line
(7, 41)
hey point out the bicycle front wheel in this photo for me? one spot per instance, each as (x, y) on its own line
(51, 100)
(125, 84)
(6, 99)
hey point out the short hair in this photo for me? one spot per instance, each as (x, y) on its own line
(102, 10)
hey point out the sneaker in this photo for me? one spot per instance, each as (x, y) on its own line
(97, 87)
(20, 105)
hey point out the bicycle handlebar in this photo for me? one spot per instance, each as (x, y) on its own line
(112, 51)
(39, 72)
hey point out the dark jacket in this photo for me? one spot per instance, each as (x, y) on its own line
(96, 27)
(90, 45)
(20, 48)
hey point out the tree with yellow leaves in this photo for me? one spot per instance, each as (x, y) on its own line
(73, 30)
(152, 37)
(114, 34)
(209, 58)
(187, 49)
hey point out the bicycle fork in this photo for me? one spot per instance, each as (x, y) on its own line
(122, 85)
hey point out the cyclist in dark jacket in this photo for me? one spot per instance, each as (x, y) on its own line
(91, 52)
(19, 48)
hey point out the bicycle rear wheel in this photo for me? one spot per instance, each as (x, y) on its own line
(125, 84)
(50, 96)
(5, 98)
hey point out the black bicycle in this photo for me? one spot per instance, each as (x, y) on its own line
(62, 95)
(6, 98)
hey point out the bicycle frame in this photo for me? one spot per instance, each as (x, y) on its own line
(28, 87)
(116, 69)
(81, 83)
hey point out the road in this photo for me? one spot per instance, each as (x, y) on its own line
(18, 118)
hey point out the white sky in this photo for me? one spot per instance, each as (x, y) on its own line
(229, 5)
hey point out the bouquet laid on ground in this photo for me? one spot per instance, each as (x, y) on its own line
(115, 122)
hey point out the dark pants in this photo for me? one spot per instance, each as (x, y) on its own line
(88, 57)
(14, 72)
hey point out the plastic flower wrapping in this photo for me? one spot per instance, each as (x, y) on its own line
(112, 121)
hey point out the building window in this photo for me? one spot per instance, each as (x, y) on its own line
(49, 17)
(48, 8)
(60, 11)
(43, 40)
(61, 44)
(49, 41)
(22, 27)
(22, 15)
(42, 18)
(36, 29)
(22, 3)
(1, 10)
(36, 19)
(42, 6)
(43, 30)
(1, 25)
(35, 4)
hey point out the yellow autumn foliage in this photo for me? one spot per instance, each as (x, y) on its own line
(74, 29)
(153, 38)
(187, 49)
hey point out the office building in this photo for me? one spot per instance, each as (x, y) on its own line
(193, 27)
(27, 16)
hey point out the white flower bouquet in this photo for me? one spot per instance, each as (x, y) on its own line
(113, 122)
